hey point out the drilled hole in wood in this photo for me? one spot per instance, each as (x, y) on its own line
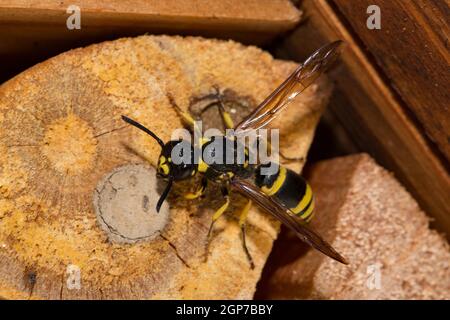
(205, 107)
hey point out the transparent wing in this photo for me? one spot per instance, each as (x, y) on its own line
(283, 214)
(297, 82)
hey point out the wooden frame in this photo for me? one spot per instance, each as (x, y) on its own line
(372, 114)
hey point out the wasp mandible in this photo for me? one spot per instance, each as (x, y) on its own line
(284, 194)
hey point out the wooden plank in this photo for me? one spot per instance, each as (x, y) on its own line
(32, 31)
(252, 15)
(368, 109)
(413, 51)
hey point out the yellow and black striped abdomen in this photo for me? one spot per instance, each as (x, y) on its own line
(290, 189)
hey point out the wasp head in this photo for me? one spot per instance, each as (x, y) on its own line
(176, 161)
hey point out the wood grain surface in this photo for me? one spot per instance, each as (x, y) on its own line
(412, 49)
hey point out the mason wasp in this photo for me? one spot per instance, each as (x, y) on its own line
(284, 194)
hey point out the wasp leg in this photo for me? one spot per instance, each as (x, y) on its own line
(205, 108)
(299, 159)
(221, 210)
(188, 119)
(199, 192)
(216, 216)
(242, 220)
(226, 118)
(185, 116)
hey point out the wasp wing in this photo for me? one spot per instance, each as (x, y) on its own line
(298, 81)
(283, 214)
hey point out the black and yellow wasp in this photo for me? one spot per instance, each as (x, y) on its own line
(284, 194)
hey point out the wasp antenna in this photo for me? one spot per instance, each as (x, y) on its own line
(140, 126)
(164, 195)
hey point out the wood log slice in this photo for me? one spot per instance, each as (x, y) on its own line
(66, 155)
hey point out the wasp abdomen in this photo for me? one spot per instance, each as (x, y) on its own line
(289, 188)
